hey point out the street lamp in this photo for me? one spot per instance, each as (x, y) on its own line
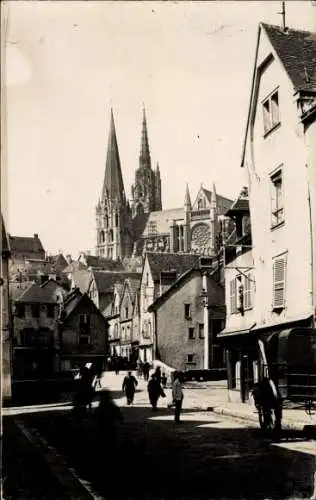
(206, 325)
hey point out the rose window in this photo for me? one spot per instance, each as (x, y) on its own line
(200, 236)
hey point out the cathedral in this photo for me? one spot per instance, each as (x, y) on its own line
(128, 228)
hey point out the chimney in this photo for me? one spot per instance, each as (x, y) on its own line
(167, 278)
(35, 236)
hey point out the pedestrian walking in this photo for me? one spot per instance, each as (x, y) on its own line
(158, 374)
(154, 392)
(177, 397)
(146, 370)
(129, 387)
(164, 380)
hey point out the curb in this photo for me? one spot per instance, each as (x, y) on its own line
(287, 424)
(73, 484)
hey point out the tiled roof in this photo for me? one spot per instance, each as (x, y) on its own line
(106, 264)
(44, 294)
(105, 280)
(71, 302)
(16, 289)
(160, 221)
(179, 262)
(58, 262)
(82, 279)
(181, 279)
(25, 244)
(297, 51)
(134, 285)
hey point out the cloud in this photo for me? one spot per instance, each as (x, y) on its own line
(18, 67)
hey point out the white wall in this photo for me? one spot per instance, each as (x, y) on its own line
(283, 146)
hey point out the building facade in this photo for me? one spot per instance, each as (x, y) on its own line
(180, 336)
(6, 326)
(279, 156)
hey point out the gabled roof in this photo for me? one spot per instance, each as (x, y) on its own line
(82, 279)
(297, 52)
(178, 262)
(26, 244)
(179, 282)
(73, 300)
(58, 262)
(105, 280)
(132, 285)
(41, 294)
(17, 288)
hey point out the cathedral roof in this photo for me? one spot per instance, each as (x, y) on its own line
(179, 262)
(159, 222)
(113, 186)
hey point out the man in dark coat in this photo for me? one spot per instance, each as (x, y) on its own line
(129, 387)
(154, 391)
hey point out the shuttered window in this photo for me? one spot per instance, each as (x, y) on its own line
(277, 204)
(248, 291)
(233, 296)
(279, 279)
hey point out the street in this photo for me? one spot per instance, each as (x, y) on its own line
(207, 456)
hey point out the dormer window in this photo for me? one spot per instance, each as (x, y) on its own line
(271, 112)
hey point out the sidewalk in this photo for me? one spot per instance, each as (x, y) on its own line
(210, 396)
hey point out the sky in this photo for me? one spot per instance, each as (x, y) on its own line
(68, 63)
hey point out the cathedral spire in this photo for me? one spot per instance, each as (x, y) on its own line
(113, 186)
(144, 157)
(187, 198)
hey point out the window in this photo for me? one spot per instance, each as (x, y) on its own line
(111, 235)
(191, 333)
(20, 310)
(147, 279)
(277, 210)
(271, 112)
(187, 311)
(35, 310)
(50, 310)
(190, 358)
(248, 291)
(84, 324)
(102, 237)
(279, 276)
(116, 331)
(233, 295)
(201, 330)
(126, 312)
(201, 203)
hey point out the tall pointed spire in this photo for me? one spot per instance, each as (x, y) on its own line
(187, 198)
(214, 195)
(113, 186)
(144, 157)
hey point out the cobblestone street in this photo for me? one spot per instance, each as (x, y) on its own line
(207, 456)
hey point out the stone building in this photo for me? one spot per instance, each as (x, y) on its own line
(35, 331)
(180, 336)
(128, 229)
(23, 249)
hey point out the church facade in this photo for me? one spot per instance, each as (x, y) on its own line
(130, 228)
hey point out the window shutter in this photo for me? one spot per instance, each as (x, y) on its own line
(233, 297)
(279, 269)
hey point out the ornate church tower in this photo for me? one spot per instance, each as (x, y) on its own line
(146, 192)
(113, 214)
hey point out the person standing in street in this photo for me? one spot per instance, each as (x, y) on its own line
(177, 397)
(129, 387)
